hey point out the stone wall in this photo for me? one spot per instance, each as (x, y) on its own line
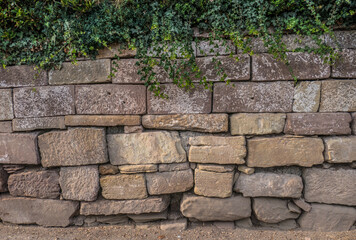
(79, 148)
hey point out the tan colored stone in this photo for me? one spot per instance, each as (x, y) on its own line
(148, 217)
(173, 167)
(138, 168)
(246, 170)
(133, 129)
(340, 149)
(124, 186)
(306, 97)
(6, 127)
(22, 76)
(104, 121)
(216, 168)
(174, 225)
(30, 124)
(213, 184)
(108, 169)
(6, 108)
(257, 123)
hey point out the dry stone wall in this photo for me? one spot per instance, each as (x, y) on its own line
(79, 148)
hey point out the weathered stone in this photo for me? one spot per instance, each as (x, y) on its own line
(22, 76)
(324, 217)
(173, 167)
(113, 219)
(257, 123)
(112, 207)
(108, 169)
(306, 97)
(305, 66)
(44, 212)
(295, 170)
(3, 180)
(20, 148)
(338, 96)
(138, 168)
(213, 184)
(81, 72)
(318, 124)
(269, 185)
(253, 97)
(272, 210)
(169, 182)
(205, 48)
(148, 226)
(77, 146)
(302, 204)
(267, 152)
(104, 121)
(6, 127)
(79, 183)
(38, 184)
(115, 50)
(180, 101)
(334, 186)
(345, 39)
(244, 223)
(220, 150)
(13, 168)
(294, 208)
(285, 225)
(246, 170)
(340, 149)
(345, 65)
(148, 217)
(6, 112)
(353, 124)
(216, 168)
(110, 99)
(174, 225)
(124, 186)
(30, 124)
(133, 129)
(215, 209)
(145, 148)
(211, 123)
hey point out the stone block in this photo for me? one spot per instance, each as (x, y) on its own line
(108, 169)
(102, 121)
(22, 76)
(6, 108)
(307, 96)
(340, 149)
(345, 65)
(213, 184)
(133, 129)
(216, 48)
(345, 39)
(138, 168)
(76, 146)
(246, 170)
(44, 101)
(110, 99)
(284, 151)
(174, 225)
(302, 204)
(115, 50)
(30, 124)
(6, 127)
(285, 225)
(216, 168)
(148, 217)
(244, 223)
(173, 167)
(253, 97)
(113, 219)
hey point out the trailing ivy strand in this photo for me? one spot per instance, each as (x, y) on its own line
(45, 33)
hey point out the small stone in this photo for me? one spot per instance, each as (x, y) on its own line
(294, 208)
(340, 149)
(114, 50)
(148, 217)
(108, 169)
(345, 66)
(112, 219)
(224, 225)
(216, 168)
(138, 168)
(192, 165)
(174, 225)
(285, 225)
(173, 167)
(90, 221)
(78, 220)
(3, 180)
(244, 223)
(302, 204)
(133, 129)
(306, 97)
(212, 184)
(149, 225)
(22, 76)
(246, 170)
(30, 124)
(6, 127)
(6, 112)
(13, 168)
(103, 121)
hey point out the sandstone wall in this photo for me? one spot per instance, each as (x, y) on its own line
(79, 148)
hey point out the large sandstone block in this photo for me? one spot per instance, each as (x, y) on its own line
(334, 186)
(340, 149)
(318, 124)
(19, 148)
(213, 184)
(220, 150)
(103, 121)
(345, 65)
(338, 96)
(306, 96)
(269, 185)
(169, 182)
(211, 123)
(76, 146)
(22, 76)
(345, 39)
(138, 168)
(284, 151)
(327, 218)
(124, 186)
(37, 184)
(112, 207)
(110, 99)
(6, 112)
(215, 209)
(145, 148)
(253, 97)
(257, 123)
(305, 66)
(30, 124)
(44, 212)
(43, 101)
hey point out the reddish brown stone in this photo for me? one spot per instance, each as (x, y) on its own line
(345, 66)
(21, 76)
(6, 127)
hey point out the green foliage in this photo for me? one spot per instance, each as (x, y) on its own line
(47, 32)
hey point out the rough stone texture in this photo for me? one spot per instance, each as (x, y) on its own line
(104, 121)
(334, 186)
(345, 65)
(82, 72)
(38, 184)
(138, 168)
(111, 207)
(246, 170)
(18, 148)
(244, 223)
(204, 48)
(302, 204)
(267, 152)
(77, 146)
(179, 101)
(216, 168)
(22, 76)
(3, 180)
(6, 127)
(272, 210)
(338, 96)
(110, 99)
(213, 184)
(115, 50)
(169, 182)
(215, 209)
(253, 97)
(124, 186)
(285, 225)
(145, 148)
(133, 129)
(30, 124)
(108, 169)
(269, 185)
(211, 123)
(174, 225)
(257, 123)
(6, 111)
(13, 168)
(79, 183)
(318, 124)
(127, 72)
(306, 97)
(173, 167)
(220, 150)
(305, 66)
(44, 212)
(340, 149)
(324, 217)
(148, 217)
(294, 208)
(353, 125)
